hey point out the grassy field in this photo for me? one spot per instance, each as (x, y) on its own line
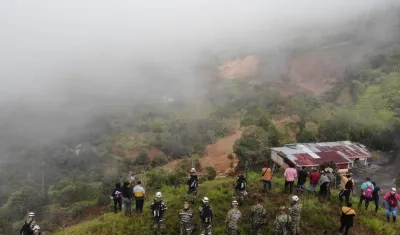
(317, 218)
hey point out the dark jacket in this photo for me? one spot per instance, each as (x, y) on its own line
(302, 176)
(347, 216)
(116, 193)
(127, 192)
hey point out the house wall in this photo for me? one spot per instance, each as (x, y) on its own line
(278, 159)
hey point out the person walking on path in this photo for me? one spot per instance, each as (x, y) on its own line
(27, 227)
(323, 185)
(158, 209)
(375, 197)
(290, 174)
(232, 219)
(206, 217)
(314, 178)
(257, 216)
(140, 195)
(346, 220)
(266, 173)
(348, 184)
(295, 212)
(116, 195)
(367, 189)
(283, 223)
(186, 216)
(391, 199)
(302, 179)
(127, 194)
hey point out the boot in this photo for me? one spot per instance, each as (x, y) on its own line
(388, 218)
(394, 219)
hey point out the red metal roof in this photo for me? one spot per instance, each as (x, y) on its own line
(304, 159)
(352, 152)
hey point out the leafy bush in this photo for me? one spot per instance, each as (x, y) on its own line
(211, 173)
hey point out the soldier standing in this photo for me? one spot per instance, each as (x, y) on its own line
(205, 217)
(193, 183)
(158, 208)
(232, 219)
(187, 216)
(295, 213)
(283, 223)
(258, 215)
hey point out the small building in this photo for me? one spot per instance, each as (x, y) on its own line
(342, 153)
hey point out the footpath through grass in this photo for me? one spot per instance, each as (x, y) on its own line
(317, 218)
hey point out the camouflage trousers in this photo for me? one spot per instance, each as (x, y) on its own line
(256, 228)
(205, 228)
(159, 226)
(296, 226)
(186, 228)
(232, 231)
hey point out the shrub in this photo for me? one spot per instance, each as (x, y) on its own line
(211, 173)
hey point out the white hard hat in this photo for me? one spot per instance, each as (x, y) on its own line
(394, 190)
(295, 198)
(235, 202)
(205, 199)
(192, 170)
(158, 195)
(36, 227)
(31, 213)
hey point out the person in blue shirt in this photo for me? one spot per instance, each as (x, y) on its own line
(375, 197)
(367, 189)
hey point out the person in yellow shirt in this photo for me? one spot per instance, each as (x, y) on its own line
(266, 177)
(348, 184)
(139, 193)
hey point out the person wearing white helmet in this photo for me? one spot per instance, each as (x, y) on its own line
(232, 219)
(36, 230)
(27, 228)
(295, 213)
(192, 182)
(158, 208)
(206, 217)
(391, 199)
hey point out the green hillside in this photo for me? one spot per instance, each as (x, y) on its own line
(317, 217)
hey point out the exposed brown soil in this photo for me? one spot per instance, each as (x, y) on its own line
(239, 68)
(216, 155)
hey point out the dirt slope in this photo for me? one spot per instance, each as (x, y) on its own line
(216, 155)
(239, 68)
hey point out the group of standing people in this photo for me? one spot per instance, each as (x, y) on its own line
(125, 196)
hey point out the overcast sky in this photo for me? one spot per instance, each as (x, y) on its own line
(51, 45)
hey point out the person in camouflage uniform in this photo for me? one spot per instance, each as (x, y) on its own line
(232, 219)
(283, 223)
(295, 213)
(158, 209)
(206, 217)
(257, 215)
(186, 216)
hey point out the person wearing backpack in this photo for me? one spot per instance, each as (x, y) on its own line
(240, 187)
(158, 209)
(283, 224)
(27, 228)
(266, 173)
(346, 220)
(367, 190)
(375, 197)
(206, 217)
(258, 217)
(116, 195)
(192, 182)
(348, 184)
(391, 199)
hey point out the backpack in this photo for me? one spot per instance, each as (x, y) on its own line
(118, 194)
(368, 191)
(349, 185)
(241, 183)
(193, 182)
(206, 214)
(392, 200)
(26, 228)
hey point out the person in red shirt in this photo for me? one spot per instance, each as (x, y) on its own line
(314, 178)
(391, 199)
